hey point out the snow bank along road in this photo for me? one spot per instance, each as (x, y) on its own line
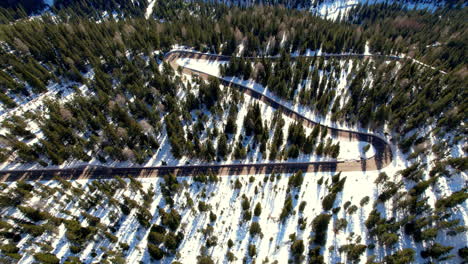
(381, 159)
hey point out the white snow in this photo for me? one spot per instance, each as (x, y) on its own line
(334, 9)
(225, 203)
(149, 9)
(210, 67)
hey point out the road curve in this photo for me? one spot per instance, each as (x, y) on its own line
(383, 149)
(381, 159)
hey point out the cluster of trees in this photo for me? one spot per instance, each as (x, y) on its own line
(159, 237)
(390, 28)
(435, 36)
(335, 187)
(419, 220)
(11, 10)
(123, 131)
(433, 93)
(254, 126)
(138, 95)
(45, 51)
(80, 229)
(21, 72)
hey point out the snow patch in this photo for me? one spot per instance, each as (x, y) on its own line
(149, 10)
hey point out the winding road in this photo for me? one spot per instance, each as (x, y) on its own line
(383, 152)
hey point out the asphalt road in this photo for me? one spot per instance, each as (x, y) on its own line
(382, 157)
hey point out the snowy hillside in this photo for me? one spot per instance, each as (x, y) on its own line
(334, 9)
(232, 218)
(273, 135)
(348, 217)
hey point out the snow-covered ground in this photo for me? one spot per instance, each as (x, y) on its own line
(349, 150)
(334, 9)
(224, 201)
(212, 67)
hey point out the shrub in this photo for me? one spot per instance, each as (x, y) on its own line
(33, 214)
(364, 201)
(46, 258)
(230, 256)
(252, 250)
(353, 252)
(287, 208)
(203, 207)
(258, 210)
(328, 201)
(204, 260)
(319, 226)
(463, 253)
(156, 238)
(302, 206)
(171, 219)
(9, 249)
(297, 248)
(436, 251)
(404, 256)
(230, 243)
(170, 241)
(155, 252)
(255, 229)
(453, 200)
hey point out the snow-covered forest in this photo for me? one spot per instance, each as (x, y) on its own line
(91, 83)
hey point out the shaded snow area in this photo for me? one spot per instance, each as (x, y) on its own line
(224, 199)
(335, 9)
